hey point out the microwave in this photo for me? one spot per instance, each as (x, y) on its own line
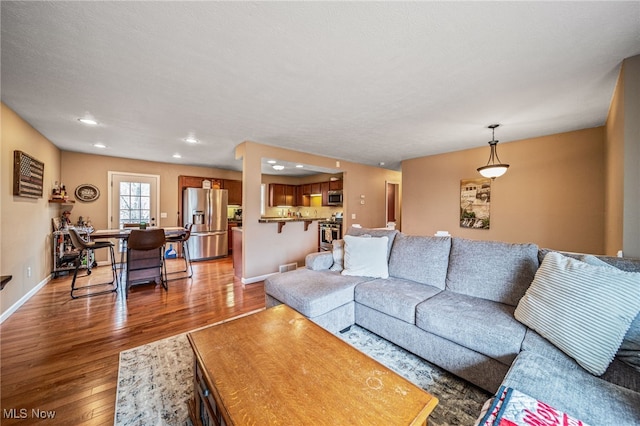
(334, 198)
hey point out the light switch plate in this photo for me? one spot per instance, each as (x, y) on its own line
(163, 215)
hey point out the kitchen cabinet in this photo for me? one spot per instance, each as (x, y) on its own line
(237, 252)
(335, 185)
(232, 224)
(196, 182)
(281, 195)
(316, 188)
(234, 188)
(324, 190)
(300, 197)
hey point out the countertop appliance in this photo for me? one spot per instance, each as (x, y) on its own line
(334, 198)
(207, 210)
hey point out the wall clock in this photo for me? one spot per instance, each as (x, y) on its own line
(87, 192)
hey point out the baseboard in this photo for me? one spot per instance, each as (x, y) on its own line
(256, 279)
(6, 314)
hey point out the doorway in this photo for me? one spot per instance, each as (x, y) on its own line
(392, 197)
(133, 198)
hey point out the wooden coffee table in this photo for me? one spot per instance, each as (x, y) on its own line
(278, 367)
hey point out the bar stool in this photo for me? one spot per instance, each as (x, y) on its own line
(182, 239)
(86, 248)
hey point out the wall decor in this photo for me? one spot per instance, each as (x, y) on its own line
(28, 174)
(87, 193)
(475, 203)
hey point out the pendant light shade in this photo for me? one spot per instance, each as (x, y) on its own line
(494, 168)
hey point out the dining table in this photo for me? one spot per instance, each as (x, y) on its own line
(123, 234)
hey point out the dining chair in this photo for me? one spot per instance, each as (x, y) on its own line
(182, 240)
(145, 260)
(85, 249)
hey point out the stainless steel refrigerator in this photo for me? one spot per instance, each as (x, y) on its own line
(207, 210)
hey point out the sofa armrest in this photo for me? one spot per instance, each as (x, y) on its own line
(319, 261)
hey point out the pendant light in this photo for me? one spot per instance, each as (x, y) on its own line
(494, 168)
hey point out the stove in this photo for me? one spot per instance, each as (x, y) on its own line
(329, 230)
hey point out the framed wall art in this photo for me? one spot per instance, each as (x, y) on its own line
(475, 203)
(28, 174)
(87, 193)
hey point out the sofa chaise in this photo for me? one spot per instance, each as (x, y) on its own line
(479, 309)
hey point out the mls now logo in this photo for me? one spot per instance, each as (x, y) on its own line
(23, 413)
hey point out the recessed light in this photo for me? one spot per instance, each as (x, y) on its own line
(177, 156)
(278, 167)
(191, 139)
(299, 166)
(99, 145)
(272, 161)
(89, 121)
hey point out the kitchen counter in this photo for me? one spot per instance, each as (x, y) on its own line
(237, 251)
(273, 219)
(281, 221)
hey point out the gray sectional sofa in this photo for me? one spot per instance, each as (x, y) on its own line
(452, 301)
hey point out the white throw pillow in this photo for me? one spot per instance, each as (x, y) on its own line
(366, 256)
(582, 309)
(338, 255)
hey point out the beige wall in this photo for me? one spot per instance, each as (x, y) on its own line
(552, 195)
(614, 170)
(622, 202)
(263, 248)
(631, 155)
(25, 231)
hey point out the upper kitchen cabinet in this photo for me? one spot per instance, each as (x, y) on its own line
(234, 188)
(196, 182)
(335, 185)
(324, 190)
(281, 195)
(316, 188)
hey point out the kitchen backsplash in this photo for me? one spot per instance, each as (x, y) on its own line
(305, 211)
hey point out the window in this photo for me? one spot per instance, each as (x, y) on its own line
(134, 203)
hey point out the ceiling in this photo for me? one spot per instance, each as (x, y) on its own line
(367, 82)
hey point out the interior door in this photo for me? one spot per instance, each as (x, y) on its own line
(133, 198)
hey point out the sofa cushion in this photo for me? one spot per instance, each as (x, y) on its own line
(389, 233)
(584, 310)
(337, 250)
(366, 257)
(571, 389)
(629, 351)
(319, 261)
(421, 259)
(312, 293)
(491, 270)
(395, 297)
(482, 325)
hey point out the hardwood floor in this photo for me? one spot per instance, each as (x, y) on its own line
(60, 356)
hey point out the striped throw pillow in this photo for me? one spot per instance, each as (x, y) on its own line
(582, 309)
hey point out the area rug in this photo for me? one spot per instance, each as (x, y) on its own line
(155, 381)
